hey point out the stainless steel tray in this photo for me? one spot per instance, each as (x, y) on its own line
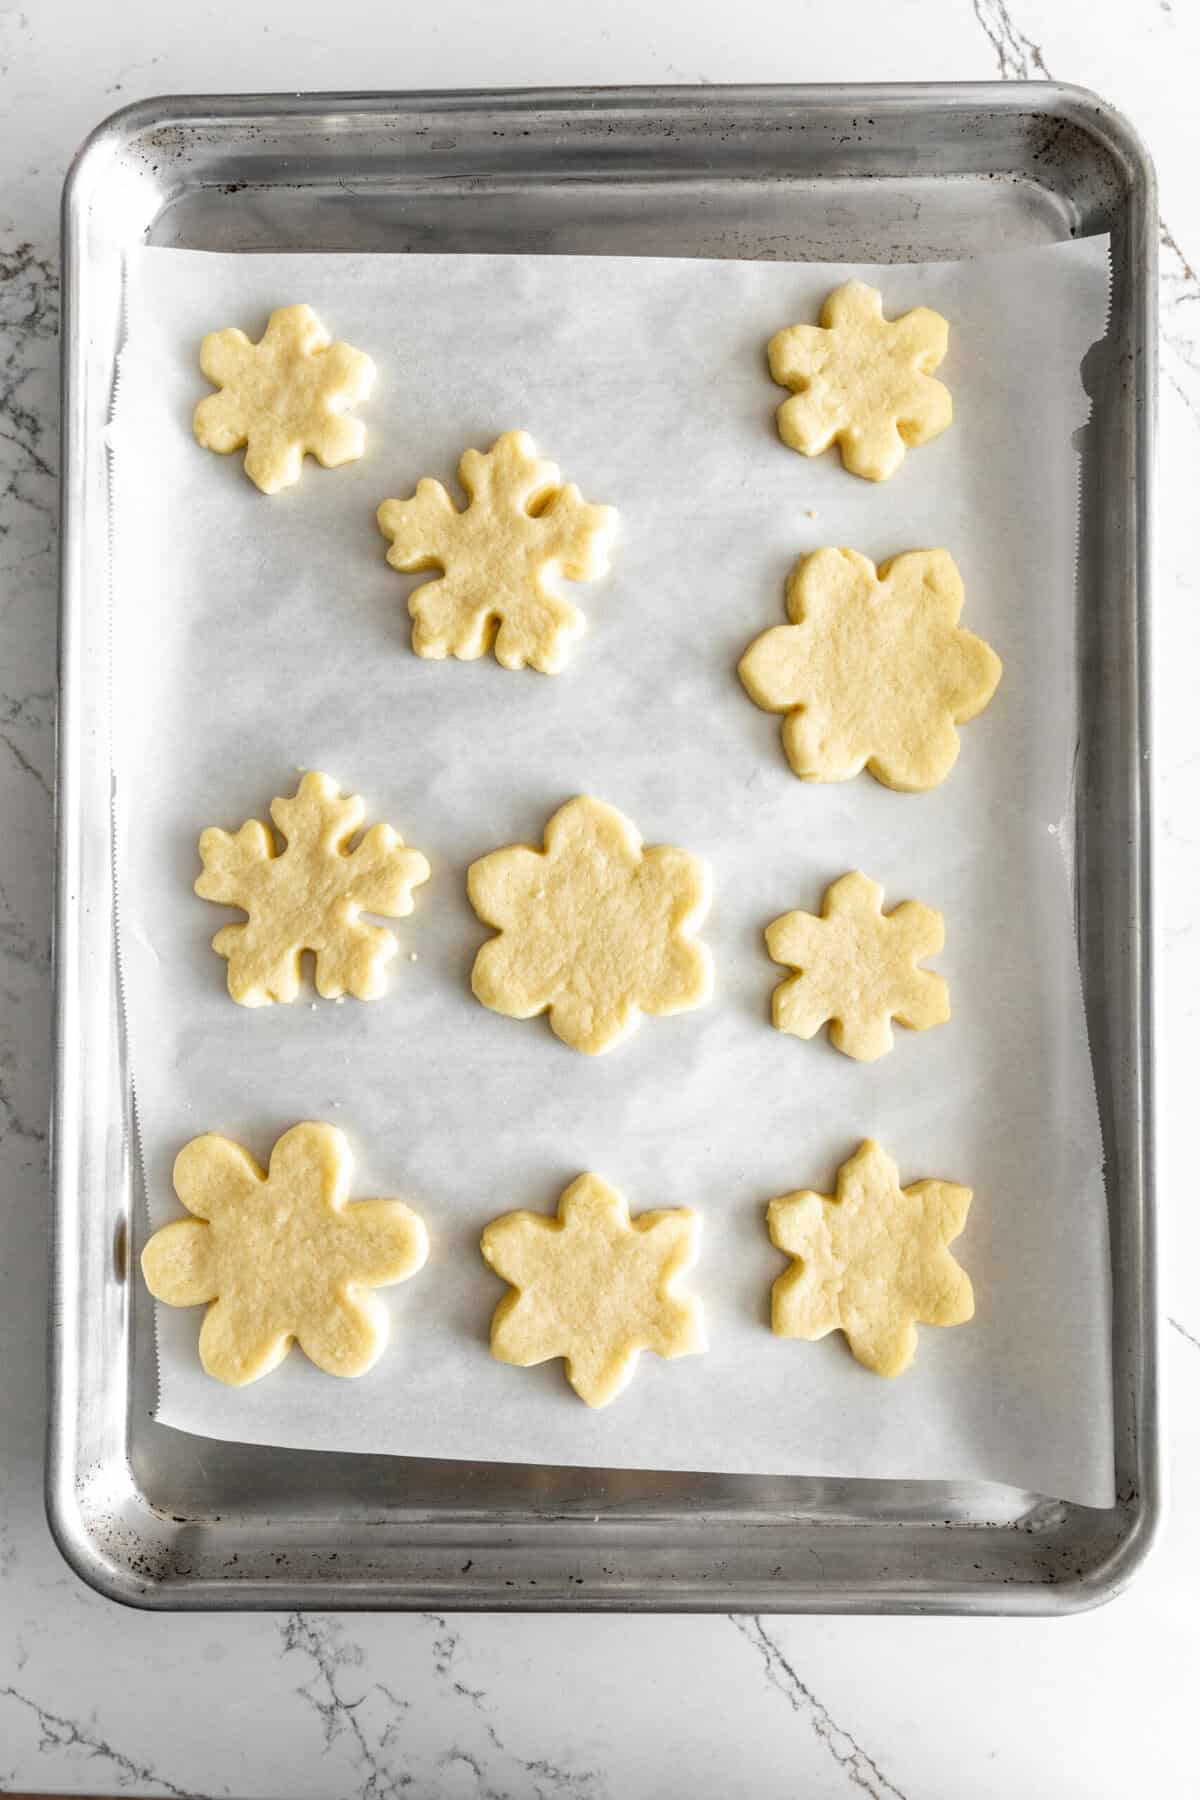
(160, 1519)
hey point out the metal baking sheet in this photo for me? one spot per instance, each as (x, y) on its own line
(157, 1518)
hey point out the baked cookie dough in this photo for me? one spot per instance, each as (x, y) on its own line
(520, 530)
(594, 928)
(281, 1257)
(874, 670)
(594, 1287)
(309, 897)
(862, 381)
(284, 397)
(856, 968)
(871, 1261)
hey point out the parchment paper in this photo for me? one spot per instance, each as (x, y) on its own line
(255, 637)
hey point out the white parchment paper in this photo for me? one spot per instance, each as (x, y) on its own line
(255, 637)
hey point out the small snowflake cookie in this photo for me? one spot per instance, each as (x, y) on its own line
(309, 897)
(862, 381)
(284, 397)
(281, 1257)
(856, 969)
(594, 1286)
(521, 528)
(874, 670)
(870, 1261)
(594, 928)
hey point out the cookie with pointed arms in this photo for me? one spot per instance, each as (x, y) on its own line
(309, 896)
(856, 969)
(871, 1261)
(501, 557)
(594, 1286)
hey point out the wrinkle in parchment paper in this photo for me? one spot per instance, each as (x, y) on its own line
(254, 637)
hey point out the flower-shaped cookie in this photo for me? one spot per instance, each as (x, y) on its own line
(520, 529)
(310, 897)
(872, 1261)
(862, 381)
(284, 397)
(282, 1257)
(594, 1287)
(874, 669)
(857, 967)
(594, 927)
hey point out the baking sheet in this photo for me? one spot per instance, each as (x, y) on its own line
(255, 637)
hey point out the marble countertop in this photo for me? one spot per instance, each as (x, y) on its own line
(94, 1699)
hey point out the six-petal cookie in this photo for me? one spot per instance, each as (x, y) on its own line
(284, 397)
(856, 968)
(281, 1257)
(874, 670)
(862, 381)
(870, 1261)
(594, 928)
(520, 529)
(594, 1287)
(310, 897)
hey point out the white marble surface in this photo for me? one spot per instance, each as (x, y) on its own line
(97, 1700)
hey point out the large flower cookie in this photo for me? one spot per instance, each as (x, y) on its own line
(284, 397)
(874, 671)
(310, 896)
(594, 1287)
(595, 928)
(856, 968)
(520, 529)
(870, 1261)
(282, 1257)
(862, 381)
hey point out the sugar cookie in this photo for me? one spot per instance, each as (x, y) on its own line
(856, 968)
(520, 529)
(874, 669)
(594, 927)
(871, 1262)
(282, 1257)
(594, 1287)
(284, 397)
(862, 381)
(310, 896)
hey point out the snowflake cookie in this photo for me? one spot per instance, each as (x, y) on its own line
(283, 397)
(519, 530)
(309, 897)
(594, 1287)
(594, 927)
(862, 381)
(856, 969)
(871, 1262)
(874, 669)
(282, 1257)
